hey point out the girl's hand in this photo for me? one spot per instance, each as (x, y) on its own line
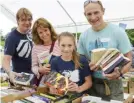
(73, 87)
(53, 90)
(45, 69)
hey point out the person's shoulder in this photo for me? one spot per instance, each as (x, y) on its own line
(115, 27)
(56, 59)
(37, 46)
(86, 32)
(83, 59)
(11, 36)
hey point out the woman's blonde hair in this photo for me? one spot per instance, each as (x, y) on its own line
(75, 55)
(23, 12)
(41, 22)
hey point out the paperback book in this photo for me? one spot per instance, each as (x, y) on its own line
(25, 79)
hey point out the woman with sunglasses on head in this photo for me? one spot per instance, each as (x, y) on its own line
(45, 44)
(104, 35)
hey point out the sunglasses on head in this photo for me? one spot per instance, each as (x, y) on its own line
(90, 1)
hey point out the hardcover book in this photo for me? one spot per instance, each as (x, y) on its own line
(25, 79)
(96, 54)
(57, 81)
(44, 57)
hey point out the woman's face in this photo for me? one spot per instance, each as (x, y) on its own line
(94, 14)
(44, 34)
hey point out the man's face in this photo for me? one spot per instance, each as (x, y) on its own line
(24, 23)
(94, 14)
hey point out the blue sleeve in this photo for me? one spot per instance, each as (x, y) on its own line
(54, 65)
(10, 45)
(124, 44)
(52, 57)
(85, 66)
(80, 47)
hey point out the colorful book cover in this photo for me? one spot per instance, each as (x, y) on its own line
(119, 61)
(25, 79)
(44, 57)
(57, 81)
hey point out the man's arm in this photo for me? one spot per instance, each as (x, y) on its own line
(127, 67)
(6, 63)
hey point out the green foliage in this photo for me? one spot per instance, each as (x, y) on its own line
(78, 35)
(2, 43)
(130, 33)
(2, 40)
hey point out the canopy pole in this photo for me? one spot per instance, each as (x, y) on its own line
(70, 18)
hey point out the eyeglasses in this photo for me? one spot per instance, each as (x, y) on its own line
(90, 1)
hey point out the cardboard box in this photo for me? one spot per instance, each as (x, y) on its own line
(129, 99)
(12, 97)
(16, 96)
(128, 82)
(131, 87)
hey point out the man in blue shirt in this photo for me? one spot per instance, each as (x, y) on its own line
(18, 46)
(104, 35)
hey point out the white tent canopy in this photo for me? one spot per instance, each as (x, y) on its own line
(116, 11)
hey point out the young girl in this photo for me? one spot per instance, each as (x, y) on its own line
(69, 61)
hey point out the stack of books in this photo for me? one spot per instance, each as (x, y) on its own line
(108, 59)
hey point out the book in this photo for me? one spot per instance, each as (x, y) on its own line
(44, 57)
(109, 61)
(108, 51)
(119, 61)
(96, 54)
(34, 100)
(58, 81)
(25, 79)
(111, 54)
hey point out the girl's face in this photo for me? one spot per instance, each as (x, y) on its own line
(94, 14)
(44, 34)
(67, 46)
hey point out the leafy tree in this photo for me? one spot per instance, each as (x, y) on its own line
(130, 33)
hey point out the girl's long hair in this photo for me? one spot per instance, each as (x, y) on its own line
(75, 55)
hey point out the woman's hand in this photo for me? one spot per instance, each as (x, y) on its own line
(45, 69)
